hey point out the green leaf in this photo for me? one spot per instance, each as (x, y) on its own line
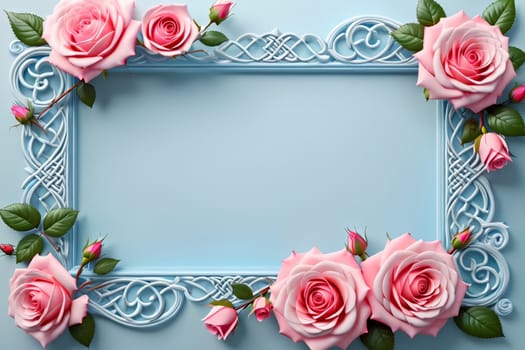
(517, 57)
(506, 121)
(87, 94)
(471, 130)
(429, 12)
(20, 216)
(379, 336)
(426, 93)
(27, 27)
(105, 266)
(222, 302)
(58, 221)
(410, 36)
(84, 332)
(501, 13)
(479, 321)
(477, 141)
(213, 38)
(28, 247)
(242, 291)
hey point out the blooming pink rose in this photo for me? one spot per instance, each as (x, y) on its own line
(221, 321)
(414, 286)
(518, 93)
(220, 10)
(493, 151)
(41, 299)
(321, 299)
(169, 30)
(89, 36)
(262, 308)
(465, 61)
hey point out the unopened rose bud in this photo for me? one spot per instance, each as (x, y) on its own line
(356, 244)
(461, 239)
(7, 249)
(91, 252)
(220, 10)
(23, 115)
(262, 308)
(221, 321)
(518, 93)
(493, 151)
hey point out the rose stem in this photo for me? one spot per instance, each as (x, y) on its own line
(482, 123)
(56, 100)
(50, 241)
(206, 27)
(77, 276)
(262, 292)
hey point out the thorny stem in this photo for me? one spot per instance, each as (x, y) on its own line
(56, 100)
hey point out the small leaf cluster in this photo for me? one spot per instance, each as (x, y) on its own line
(24, 218)
(240, 291)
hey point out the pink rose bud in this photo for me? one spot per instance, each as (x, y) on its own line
(22, 114)
(262, 308)
(461, 239)
(221, 321)
(356, 244)
(220, 10)
(7, 249)
(518, 93)
(91, 252)
(493, 151)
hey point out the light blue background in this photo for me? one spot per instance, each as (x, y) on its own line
(186, 331)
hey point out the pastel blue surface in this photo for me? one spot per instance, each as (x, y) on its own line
(319, 163)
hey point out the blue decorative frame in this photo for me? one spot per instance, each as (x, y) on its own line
(361, 44)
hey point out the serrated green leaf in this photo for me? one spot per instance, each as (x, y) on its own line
(379, 336)
(242, 291)
(105, 266)
(20, 216)
(506, 121)
(479, 321)
(213, 38)
(58, 221)
(517, 57)
(28, 247)
(429, 12)
(410, 36)
(501, 13)
(222, 302)
(27, 27)
(87, 94)
(84, 332)
(471, 130)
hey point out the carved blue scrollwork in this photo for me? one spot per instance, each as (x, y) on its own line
(361, 44)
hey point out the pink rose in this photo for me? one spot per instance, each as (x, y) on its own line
(221, 321)
(41, 299)
(518, 93)
(465, 61)
(414, 286)
(320, 299)
(262, 308)
(169, 30)
(220, 10)
(89, 36)
(91, 252)
(22, 114)
(493, 151)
